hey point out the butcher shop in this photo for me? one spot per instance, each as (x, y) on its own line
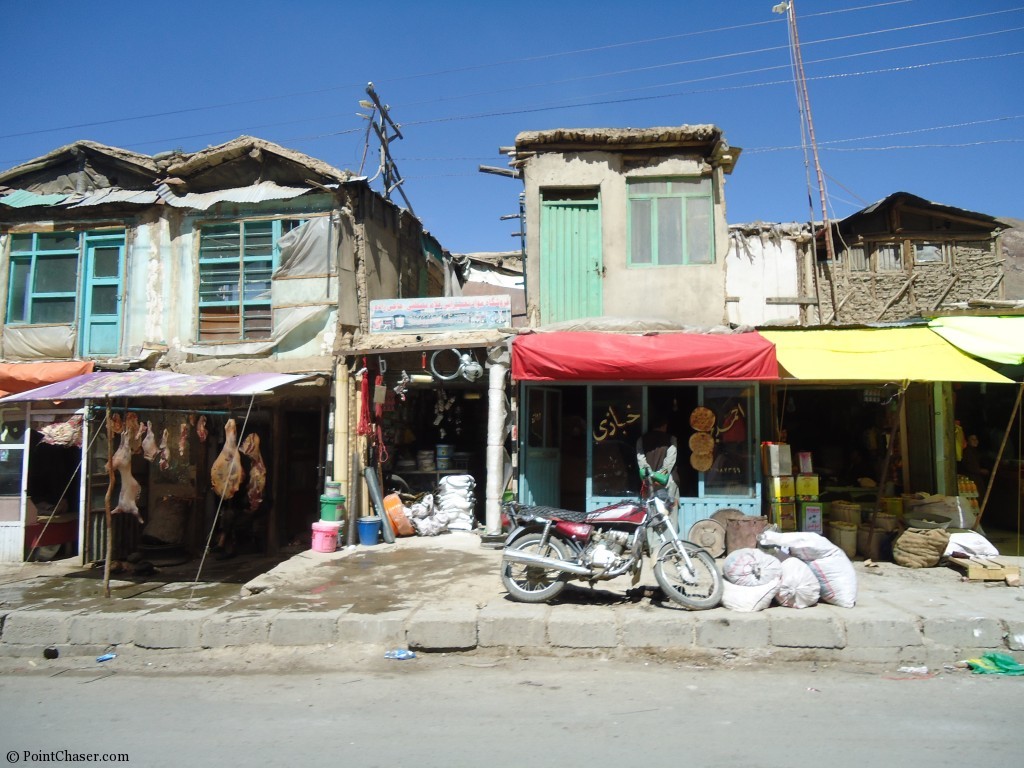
(161, 467)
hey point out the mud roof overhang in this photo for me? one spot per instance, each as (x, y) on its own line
(248, 160)
(81, 167)
(707, 140)
(907, 201)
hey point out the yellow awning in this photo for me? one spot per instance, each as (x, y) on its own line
(875, 355)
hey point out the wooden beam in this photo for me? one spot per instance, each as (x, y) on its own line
(896, 296)
(802, 300)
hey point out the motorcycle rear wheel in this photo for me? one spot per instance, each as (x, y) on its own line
(531, 583)
(701, 592)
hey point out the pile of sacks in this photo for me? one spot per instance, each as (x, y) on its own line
(456, 501)
(807, 568)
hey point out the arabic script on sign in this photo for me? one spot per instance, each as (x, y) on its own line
(611, 425)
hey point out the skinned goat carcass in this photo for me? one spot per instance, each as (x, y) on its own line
(121, 462)
(135, 430)
(257, 471)
(183, 434)
(226, 474)
(165, 451)
(201, 429)
(149, 446)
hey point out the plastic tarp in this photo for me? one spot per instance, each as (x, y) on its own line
(875, 354)
(39, 342)
(19, 377)
(128, 384)
(999, 339)
(591, 356)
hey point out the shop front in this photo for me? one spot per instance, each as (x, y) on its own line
(586, 398)
(182, 462)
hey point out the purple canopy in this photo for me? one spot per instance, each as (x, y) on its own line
(101, 385)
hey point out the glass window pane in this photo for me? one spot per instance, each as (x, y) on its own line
(670, 231)
(692, 185)
(648, 188)
(18, 288)
(259, 238)
(218, 284)
(21, 243)
(698, 231)
(615, 427)
(58, 241)
(10, 471)
(56, 274)
(53, 310)
(732, 473)
(640, 232)
(106, 262)
(218, 241)
(104, 300)
(927, 252)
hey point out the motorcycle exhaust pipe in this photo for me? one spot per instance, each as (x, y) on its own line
(550, 563)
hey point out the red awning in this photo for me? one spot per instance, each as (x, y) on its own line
(590, 356)
(21, 377)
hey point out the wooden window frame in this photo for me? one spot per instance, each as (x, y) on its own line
(684, 195)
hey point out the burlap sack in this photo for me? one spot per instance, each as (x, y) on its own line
(920, 547)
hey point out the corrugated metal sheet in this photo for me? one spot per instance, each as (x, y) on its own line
(105, 196)
(22, 198)
(256, 193)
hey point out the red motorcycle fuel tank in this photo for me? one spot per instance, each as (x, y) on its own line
(619, 512)
(574, 531)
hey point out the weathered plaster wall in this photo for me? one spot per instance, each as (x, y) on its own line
(689, 294)
(759, 267)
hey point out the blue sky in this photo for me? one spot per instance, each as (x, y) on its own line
(921, 96)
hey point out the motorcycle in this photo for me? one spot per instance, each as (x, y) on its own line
(547, 547)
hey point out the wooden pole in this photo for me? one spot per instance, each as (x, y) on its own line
(108, 517)
(999, 457)
(896, 428)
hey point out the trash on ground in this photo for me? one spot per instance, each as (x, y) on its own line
(400, 653)
(996, 664)
(106, 657)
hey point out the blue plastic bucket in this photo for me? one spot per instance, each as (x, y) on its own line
(369, 530)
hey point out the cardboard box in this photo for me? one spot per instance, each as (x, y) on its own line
(776, 459)
(811, 514)
(784, 515)
(807, 485)
(780, 488)
(806, 465)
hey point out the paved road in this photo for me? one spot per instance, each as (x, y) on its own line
(466, 710)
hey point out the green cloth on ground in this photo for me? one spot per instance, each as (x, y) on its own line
(996, 664)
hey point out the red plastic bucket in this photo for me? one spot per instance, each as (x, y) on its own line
(325, 537)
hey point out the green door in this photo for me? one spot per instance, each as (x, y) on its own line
(101, 292)
(571, 268)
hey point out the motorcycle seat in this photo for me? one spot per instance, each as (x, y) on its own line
(554, 513)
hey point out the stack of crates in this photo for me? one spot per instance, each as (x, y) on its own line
(780, 486)
(807, 496)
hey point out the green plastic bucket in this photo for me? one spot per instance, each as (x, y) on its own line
(332, 508)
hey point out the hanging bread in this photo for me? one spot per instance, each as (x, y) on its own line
(702, 462)
(702, 442)
(702, 419)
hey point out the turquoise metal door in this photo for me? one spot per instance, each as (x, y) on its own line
(571, 267)
(542, 470)
(101, 292)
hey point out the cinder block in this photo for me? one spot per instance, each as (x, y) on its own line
(573, 626)
(452, 627)
(512, 625)
(37, 626)
(659, 628)
(868, 630)
(1015, 635)
(103, 628)
(963, 632)
(172, 629)
(228, 629)
(304, 628)
(803, 628)
(373, 628)
(732, 629)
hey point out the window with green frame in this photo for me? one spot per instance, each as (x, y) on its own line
(236, 262)
(671, 221)
(43, 278)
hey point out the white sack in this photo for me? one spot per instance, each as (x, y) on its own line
(970, 543)
(799, 587)
(751, 567)
(736, 597)
(830, 565)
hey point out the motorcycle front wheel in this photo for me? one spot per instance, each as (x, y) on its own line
(533, 583)
(699, 591)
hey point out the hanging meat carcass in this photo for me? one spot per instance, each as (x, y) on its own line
(121, 461)
(257, 471)
(183, 433)
(149, 446)
(226, 474)
(165, 451)
(201, 429)
(135, 430)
